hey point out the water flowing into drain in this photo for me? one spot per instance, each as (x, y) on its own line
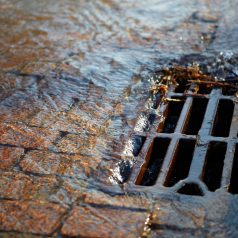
(185, 147)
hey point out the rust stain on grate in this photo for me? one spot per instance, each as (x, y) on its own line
(192, 147)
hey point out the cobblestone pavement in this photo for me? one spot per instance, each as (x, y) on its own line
(73, 81)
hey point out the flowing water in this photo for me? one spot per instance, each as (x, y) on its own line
(75, 76)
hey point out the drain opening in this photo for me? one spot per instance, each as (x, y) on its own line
(182, 86)
(223, 118)
(154, 161)
(172, 114)
(196, 116)
(233, 188)
(204, 89)
(212, 171)
(229, 91)
(191, 189)
(180, 166)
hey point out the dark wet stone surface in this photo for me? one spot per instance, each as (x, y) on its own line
(74, 79)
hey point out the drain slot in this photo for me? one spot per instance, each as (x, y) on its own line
(196, 116)
(223, 118)
(229, 91)
(172, 116)
(191, 189)
(154, 161)
(204, 89)
(233, 188)
(180, 166)
(182, 86)
(213, 167)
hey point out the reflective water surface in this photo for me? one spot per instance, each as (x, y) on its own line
(75, 76)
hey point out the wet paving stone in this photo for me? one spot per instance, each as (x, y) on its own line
(9, 156)
(192, 218)
(43, 162)
(18, 186)
(20, 235)
(95, 197)
(31, 217)
(77, 143)
(104, 222)
(26, 137)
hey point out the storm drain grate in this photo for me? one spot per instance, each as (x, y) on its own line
(192, 148)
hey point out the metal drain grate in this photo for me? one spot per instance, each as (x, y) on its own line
(194, 149)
